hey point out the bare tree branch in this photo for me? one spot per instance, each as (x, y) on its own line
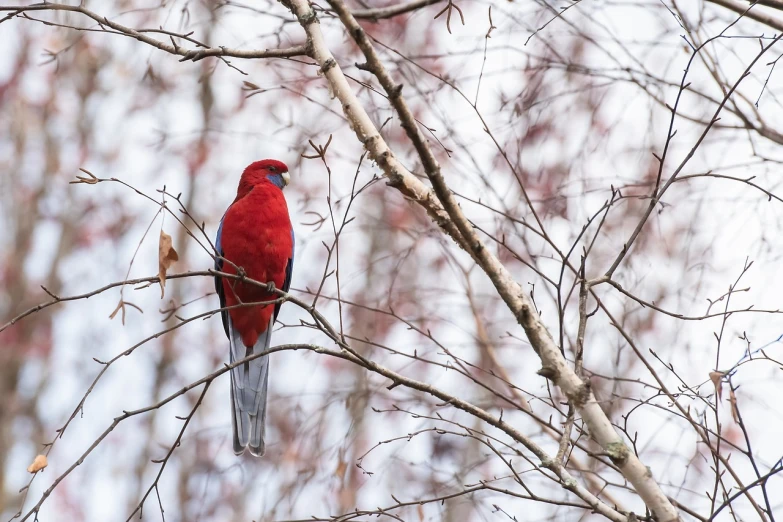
(139, 34)
(554, 364)
(379, 13)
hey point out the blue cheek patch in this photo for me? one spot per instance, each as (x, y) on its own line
(277, 180)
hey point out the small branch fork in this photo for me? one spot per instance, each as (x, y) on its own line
(165, 460)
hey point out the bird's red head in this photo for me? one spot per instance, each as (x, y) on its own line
(264, 171)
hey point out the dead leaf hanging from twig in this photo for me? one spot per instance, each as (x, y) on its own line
(38, 464)
(734, 408)
(717, 380)
(166, 257)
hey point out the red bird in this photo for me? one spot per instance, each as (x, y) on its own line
(256, 235)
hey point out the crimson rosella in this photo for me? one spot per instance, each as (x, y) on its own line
(256, 235)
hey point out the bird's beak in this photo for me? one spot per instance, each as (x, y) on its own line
(286, 178)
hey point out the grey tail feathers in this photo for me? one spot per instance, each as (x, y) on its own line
(248, 392)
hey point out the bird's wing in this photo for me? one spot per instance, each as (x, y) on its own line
(289, 270)
(218, 280)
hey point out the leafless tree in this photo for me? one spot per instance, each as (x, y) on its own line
(536, 271)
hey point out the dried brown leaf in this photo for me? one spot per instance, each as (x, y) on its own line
(734, 410)
(342, 467)
(166, 257)
(717, 380)
(38, 464)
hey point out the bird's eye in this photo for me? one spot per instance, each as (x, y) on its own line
(272, 169)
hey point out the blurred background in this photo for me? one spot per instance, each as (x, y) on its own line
(570, 100)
